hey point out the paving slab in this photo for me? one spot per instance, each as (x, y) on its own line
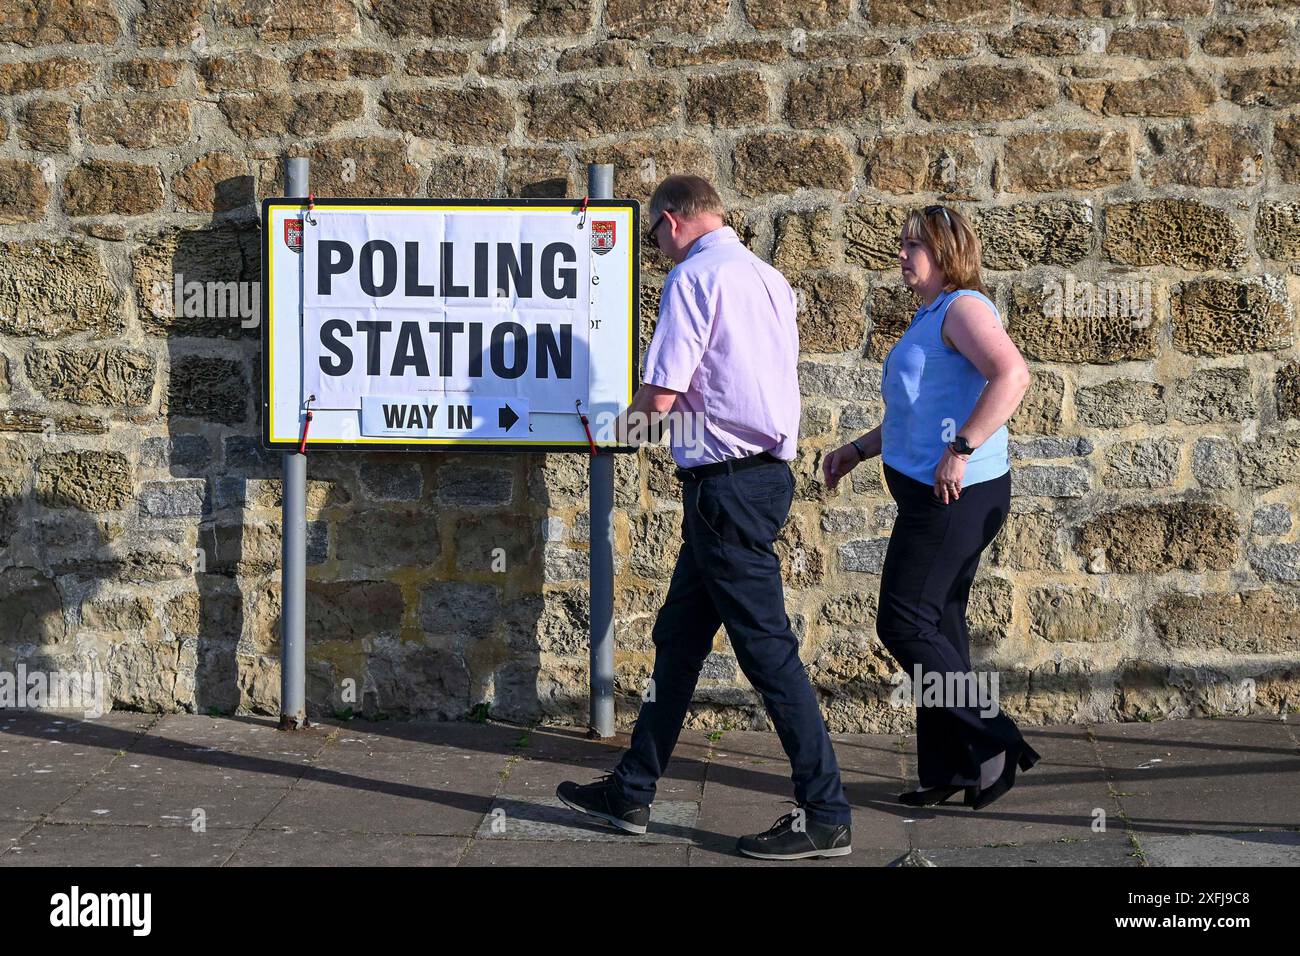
(43, 764)
(46, 774)
(1174, 810)
(748, 787)
(11, 830)
(550, 759)
(1200, 776)
(540, 817)
(73, 754)
(561, 741)
(243, 735)
(399, 736)
(755, 762)
(169, 805)
(441, 766)
(728, 813)
(389, 801)
(1056, 853)
(1059, 799)
(752, 763)
(873, 770)
(305, 847)
(29, 791)
(877, 756)
(714, 853)
(114, 730)
(154, 766)
(586, 853)
(1224, 849)
(51, 844)
(122, 788)
(1219, 754)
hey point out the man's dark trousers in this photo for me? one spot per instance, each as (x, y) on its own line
(728, 573)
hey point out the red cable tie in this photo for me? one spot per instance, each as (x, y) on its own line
(582, 211)
(302, 445)
(577, 403)
(311, 204)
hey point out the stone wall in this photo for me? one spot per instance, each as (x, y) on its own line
(1147, 151)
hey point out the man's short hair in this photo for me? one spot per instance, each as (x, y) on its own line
(688, 196)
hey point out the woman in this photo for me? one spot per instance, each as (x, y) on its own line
(949, 385)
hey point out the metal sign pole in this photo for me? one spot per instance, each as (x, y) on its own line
(600, 185)
(293, 568)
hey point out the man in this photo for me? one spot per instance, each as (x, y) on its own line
(724, 354)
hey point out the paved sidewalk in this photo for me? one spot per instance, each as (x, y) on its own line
(127, 789)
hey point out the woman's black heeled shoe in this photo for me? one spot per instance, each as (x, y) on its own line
(1025, 759)
(1028, 757)
(928, 797)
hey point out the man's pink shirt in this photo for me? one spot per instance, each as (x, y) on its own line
(727, 339)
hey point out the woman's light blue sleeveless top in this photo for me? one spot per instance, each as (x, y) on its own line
(930, 390)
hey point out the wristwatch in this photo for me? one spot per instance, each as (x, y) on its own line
(960, 446)
(862, 455)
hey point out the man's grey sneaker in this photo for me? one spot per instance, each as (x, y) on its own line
(604, 799)
(796, 837)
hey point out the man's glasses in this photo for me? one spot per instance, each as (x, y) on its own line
(651, 237)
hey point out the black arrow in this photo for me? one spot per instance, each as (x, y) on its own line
(506, 417)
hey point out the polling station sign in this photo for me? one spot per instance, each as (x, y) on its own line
(482, 324)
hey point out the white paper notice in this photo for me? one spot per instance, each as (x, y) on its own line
(443, 308)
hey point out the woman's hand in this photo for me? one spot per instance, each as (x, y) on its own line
(838, 464)
(947, 477)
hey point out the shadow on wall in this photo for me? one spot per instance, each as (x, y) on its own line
(152, 554)
(403, 599)
(424, 569)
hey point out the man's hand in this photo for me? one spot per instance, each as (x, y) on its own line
(947, 477)
(838, 464)
(636, 426)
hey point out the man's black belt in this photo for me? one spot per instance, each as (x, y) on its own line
(726, 467)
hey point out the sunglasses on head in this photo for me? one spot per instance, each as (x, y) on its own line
(931, 210)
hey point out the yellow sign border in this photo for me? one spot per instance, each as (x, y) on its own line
(269, 209)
